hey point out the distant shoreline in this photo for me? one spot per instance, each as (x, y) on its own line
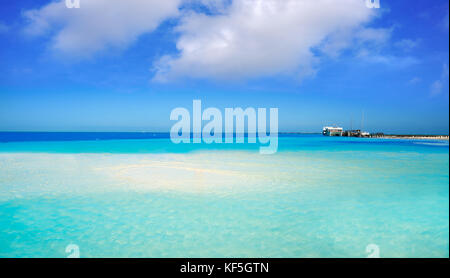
(419, 137)
(391, 136)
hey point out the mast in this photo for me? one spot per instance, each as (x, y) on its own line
(362, 121)
(351, 121)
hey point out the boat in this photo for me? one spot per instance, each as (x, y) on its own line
(332, 131)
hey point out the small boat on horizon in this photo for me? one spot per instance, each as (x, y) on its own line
(332, 131)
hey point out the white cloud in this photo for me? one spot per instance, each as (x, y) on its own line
(437, 86)
(356, 38)
(237, 39)
(414, 80)
(256, 38)
(98, 23)
(372, 35)
(391, 61)
(407, 44)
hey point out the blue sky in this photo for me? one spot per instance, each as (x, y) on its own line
(124, 65)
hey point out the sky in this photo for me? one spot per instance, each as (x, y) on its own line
(116, 65)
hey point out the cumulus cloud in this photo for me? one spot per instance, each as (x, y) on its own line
(254, 38)
(98, 24)
(225, 39)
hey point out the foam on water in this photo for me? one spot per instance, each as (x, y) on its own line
(317, 197)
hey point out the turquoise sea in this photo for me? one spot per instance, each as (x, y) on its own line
(140, 195)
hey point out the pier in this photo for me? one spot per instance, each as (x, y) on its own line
(339, 131)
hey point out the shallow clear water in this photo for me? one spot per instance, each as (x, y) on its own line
(316, 197)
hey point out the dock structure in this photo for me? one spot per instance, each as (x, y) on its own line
(352, 133)
(414, 137)
(339, 131)
(355, 133)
